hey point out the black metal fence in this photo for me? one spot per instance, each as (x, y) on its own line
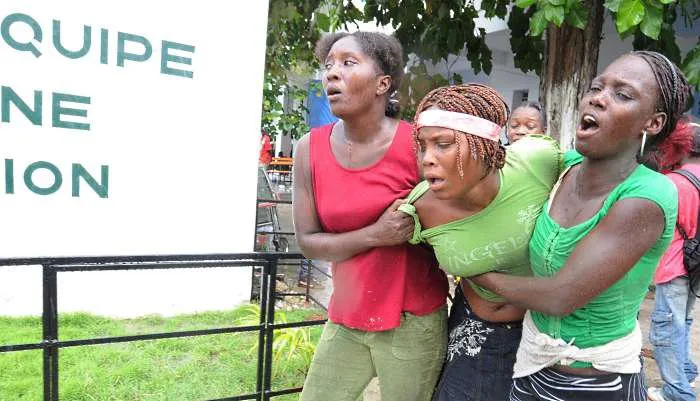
(281, 244)
(267, 262)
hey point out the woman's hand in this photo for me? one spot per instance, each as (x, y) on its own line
(594, 266)
(482, 280)
(393, 227)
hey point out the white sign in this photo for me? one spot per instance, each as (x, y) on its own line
(129, 127)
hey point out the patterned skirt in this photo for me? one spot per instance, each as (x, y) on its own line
(480, 356)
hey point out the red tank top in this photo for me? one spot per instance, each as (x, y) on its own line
(371, 289)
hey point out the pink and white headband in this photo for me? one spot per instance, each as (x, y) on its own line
(466, 123)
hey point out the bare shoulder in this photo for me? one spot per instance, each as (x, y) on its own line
(302, 165)
(429, 209)
(301, 151)
(302, 146)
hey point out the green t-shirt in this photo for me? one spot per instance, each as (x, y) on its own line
(612, 314)
(496, 238)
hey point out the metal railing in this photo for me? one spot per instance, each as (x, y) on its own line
(268, 262)
(277, 235)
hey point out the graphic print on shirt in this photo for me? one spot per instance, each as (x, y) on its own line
(528, 216)
(498, 253)
(467, 338)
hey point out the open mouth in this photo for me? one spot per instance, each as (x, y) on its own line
(588, 123)
(435, 182)
(332, 92)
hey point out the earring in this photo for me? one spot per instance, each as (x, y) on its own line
(644, 141)
(392, 98)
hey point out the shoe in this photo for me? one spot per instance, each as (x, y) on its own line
(654, 394)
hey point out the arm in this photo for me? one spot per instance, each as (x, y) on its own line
(392, 228)
(597, 262)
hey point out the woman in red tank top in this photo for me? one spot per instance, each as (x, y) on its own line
(387, 313)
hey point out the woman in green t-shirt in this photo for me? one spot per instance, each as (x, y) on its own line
(597, 243)
(477, 208)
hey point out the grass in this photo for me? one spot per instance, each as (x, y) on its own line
(197, 368)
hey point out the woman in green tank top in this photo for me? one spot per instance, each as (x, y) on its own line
(599, 240)
(477, 208)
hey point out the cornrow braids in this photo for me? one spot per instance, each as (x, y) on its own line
(477, 100)
(673, 88)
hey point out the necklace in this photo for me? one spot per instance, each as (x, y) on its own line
(348, 148)
(367, 145)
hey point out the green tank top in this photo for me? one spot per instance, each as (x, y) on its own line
(496, 238)
(613, 313)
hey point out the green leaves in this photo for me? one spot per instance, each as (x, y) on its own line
(666, 44)
(651, 24)
(323, 22)
(577, 16)
(525, 3)
(538, 23)
(554, 14)
(495, 8)
(612, 5)
(434, 29)
(647, 14)
(630, 14)
(443, 11)
(289, 344)
(527, 50)
(656, 32)
(691, 67)
(573, 12)
(293, 29)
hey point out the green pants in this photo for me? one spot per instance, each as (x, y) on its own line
(407, 360)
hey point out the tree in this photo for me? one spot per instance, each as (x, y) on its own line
(557, 39)
(290, 39)
(573, 38)
(566, 58)
(569, 65)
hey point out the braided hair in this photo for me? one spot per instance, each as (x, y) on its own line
(478, 100)
(673, 92)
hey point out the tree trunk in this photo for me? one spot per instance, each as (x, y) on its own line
(570, 63)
